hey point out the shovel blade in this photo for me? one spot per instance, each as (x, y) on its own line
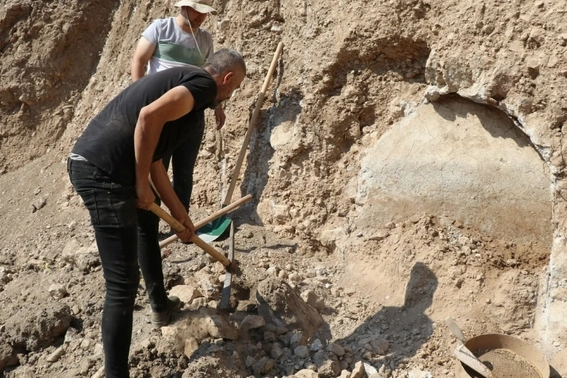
(212, 231)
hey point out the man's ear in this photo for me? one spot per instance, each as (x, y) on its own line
(227, 77)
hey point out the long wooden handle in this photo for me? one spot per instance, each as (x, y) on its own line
(255, 114)
(210, 218)
(228, 208)
(177, 226)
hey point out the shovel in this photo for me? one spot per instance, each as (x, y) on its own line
(177, 226)
(213, 230)
(210, 218)
(463, 353)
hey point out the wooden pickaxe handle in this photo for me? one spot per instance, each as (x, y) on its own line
(177, 226)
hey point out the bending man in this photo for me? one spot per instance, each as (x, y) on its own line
(110, 167)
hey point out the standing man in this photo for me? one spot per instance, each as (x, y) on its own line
(176, 42)
(110, 167)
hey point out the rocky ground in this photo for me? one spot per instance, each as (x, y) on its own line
(335, 279)
(291, 314)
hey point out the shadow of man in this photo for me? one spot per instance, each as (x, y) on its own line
(394, 334)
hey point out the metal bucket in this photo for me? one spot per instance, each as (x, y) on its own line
(483, 345)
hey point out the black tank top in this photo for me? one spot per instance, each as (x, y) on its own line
(108, 140)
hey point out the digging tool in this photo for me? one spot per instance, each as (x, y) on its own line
(210, 218)
(509, 356)
(177, 226)
(215, 229)
(231, 266)
(225, 296)
(463, 353)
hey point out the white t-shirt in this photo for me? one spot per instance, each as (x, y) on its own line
(175, 47)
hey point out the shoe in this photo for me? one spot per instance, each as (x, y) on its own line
(161, 319)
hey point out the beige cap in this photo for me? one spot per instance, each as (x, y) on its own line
(201, 6)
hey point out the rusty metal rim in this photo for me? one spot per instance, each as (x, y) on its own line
(493, 341)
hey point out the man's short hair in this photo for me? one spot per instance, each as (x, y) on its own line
(225, 60)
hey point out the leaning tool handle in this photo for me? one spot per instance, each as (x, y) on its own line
(454, 328)
(210, 218)
(248, 135)
(177, 226)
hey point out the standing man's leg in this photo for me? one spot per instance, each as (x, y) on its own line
(183, 162)
(149, 257)
(112, 208)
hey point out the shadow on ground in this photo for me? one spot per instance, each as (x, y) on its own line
(406, 327)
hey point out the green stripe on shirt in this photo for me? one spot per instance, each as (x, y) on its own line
(177, 53)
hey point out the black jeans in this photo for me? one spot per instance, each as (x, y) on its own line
(183, 161)
(125, 236)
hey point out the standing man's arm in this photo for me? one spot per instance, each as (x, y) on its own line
(142, 55)
(174, 104)
(220, 117)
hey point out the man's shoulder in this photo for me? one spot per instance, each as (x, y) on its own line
(197, 77)
(206, 33)
(196, 72)
(163, 22)
(187, 72)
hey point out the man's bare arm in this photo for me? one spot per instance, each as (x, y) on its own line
(172, 105)
(143, 53)
(162, 184)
